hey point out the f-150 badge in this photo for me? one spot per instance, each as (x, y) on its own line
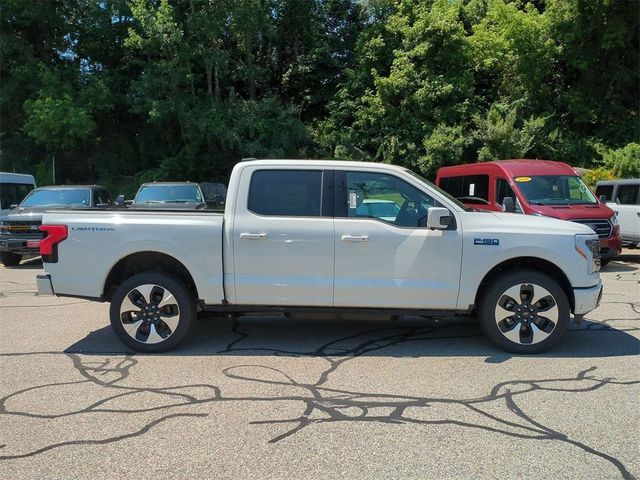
(486, 241)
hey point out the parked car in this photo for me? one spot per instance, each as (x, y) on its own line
(536, 187)
(623, 197)
(13, 188)
(169, 195)
(291, 240)
(20, 233)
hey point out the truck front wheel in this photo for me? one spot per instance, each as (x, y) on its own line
(524, 312)
(152, 312)
(10, 259)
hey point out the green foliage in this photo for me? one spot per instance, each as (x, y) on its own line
(513, 54)
(501, 136)
(416, 91)
(594, 175)
(623, 162)
(57, 123)
(44, 174)
(445, 146)
(128, 90)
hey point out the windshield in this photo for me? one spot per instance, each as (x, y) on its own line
(555, 190)
(67, 197)
(439, 190)
(169, 194)
(13, 193)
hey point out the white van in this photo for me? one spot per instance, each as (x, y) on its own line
(13, 188)
(623, 197)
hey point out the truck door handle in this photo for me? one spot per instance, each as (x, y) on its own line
(253, 236)
(355, 238)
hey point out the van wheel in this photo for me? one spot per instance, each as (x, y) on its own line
(524, 312)
(10, 259)
(152, 312)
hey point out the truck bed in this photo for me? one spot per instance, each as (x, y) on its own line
(98, 240)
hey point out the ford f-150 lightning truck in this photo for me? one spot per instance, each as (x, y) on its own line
(294, 238)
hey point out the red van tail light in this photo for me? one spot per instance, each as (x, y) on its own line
(53, 235)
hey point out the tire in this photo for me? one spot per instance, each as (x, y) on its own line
(10, 259)
(604, 262)
(533, 327)
(152, 312)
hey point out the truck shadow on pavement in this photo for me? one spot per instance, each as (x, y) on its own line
(106, 374)
(409, 337)
(502, 409)
(107, 387)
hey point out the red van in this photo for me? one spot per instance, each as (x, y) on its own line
(535, 187)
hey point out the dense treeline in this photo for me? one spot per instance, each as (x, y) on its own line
(158, 89)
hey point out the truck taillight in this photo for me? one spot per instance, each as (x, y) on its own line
(53, 235)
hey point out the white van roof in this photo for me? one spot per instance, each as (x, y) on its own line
(6, 177)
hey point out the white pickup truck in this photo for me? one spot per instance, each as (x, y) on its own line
(325, 236)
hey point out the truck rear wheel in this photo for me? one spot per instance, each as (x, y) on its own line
(152, 312)
(10, 259)
(524, 312)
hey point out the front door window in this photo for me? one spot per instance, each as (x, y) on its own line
(385, 198)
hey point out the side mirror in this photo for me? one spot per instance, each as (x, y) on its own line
(439, 218)
(13, 205)
(120, 202)
(603, 199)
(508, 205)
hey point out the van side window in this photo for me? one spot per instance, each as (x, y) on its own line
(606, 190)
(294, 193)
(452, 185)
(627, 194)
(475, 189)
(13, 193)
(503, 189)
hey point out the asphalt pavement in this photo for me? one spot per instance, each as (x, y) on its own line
(255, 397)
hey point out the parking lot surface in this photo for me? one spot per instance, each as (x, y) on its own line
(257, 397)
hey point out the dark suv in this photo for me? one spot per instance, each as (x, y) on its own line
(20, 230)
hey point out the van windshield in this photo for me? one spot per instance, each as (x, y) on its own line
(555, 190)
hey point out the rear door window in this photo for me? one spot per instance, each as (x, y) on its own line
(294, 193)
(628, 194)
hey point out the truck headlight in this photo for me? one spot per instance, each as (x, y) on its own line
(588, 246)
(614, 219)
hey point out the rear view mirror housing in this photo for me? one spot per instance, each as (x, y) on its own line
(439, 218)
